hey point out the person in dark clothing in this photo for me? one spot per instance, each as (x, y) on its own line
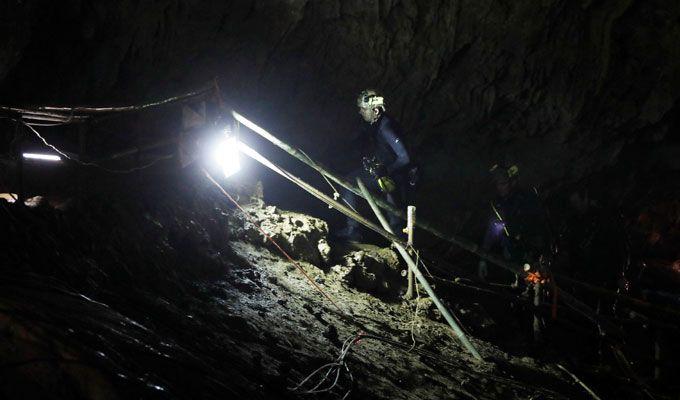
(387, 167)
(518, 224)
(596, 243)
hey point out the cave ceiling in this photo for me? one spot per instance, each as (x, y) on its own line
(574, 92)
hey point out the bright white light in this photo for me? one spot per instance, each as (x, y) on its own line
(43, 157)
(226, 155)
(9, 197)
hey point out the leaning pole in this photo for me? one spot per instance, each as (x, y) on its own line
(414, 268)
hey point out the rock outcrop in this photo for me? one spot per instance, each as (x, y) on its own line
(301, 236)
(119, 294)
(375, 270)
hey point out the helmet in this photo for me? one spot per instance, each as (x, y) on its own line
(369, 99)
(501, 173)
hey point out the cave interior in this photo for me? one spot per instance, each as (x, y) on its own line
(134, 267)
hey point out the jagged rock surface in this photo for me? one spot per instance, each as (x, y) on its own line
(572, 91)
(301, 236)
(230, 317)
(375, 270)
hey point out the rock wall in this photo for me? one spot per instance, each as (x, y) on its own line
(572, 91)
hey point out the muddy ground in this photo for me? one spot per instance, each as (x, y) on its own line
(170, 293)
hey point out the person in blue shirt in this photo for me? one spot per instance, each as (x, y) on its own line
(387, 167)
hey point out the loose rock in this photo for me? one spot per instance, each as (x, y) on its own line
(375, 271)
(301, 236)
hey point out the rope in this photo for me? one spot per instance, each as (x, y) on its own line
(252, 221)
(90, 164)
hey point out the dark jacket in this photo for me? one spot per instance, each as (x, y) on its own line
(522, 227)
(387, 145)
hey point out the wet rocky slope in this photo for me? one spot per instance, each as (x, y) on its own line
(170, 292)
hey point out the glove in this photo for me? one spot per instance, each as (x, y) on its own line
(387, 184)
(482, 270)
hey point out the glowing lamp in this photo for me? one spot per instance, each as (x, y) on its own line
(41, 157)
(226, 155)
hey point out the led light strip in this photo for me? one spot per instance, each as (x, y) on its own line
(44, 157)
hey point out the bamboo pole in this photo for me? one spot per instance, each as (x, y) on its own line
(568, 299)
(410, 222)
(419, 276)
(420, 222)
(580, 382)
(245, 149)
(41, 115)
(463, 243)
(67, 115)
(99, 110)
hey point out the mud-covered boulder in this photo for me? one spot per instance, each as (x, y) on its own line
(375, 271)
(301, 236)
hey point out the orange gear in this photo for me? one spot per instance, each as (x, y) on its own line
(536, 277)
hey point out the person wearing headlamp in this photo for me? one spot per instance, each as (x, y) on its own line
(387, 167)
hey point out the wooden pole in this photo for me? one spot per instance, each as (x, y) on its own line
(410, 222)
(317, 166)
(580, 382)
(413, 267)
(98, 110)
(41, 115)
(454, 239)
(421, 223)
(318, 194)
